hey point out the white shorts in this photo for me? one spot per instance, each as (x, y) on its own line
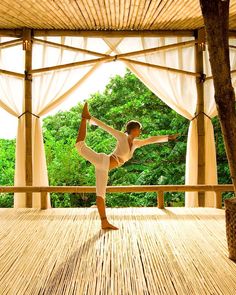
(101, 161)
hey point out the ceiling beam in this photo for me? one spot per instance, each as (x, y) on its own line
(11, 33)
(98, 33)
(102, 33)
(114, 33)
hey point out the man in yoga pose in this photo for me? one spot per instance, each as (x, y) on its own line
(126, 144)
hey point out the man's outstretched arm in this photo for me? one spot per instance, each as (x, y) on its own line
(109, 129)
(155, 139)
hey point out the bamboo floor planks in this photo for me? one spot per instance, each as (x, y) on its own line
(64, 251)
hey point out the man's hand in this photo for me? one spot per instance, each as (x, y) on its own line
(173, 137)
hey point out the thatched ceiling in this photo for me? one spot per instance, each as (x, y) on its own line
(105, 14)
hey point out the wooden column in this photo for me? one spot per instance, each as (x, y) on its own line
(218, 202)
(200, 47)
(27, 46)
(160, 199)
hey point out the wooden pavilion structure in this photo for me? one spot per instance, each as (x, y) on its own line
(157, 251)
(29, 20)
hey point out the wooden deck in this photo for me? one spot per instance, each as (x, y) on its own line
(64, 251)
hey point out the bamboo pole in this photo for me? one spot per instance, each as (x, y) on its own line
(210, 77)
(116, 189)
(159, 67)
(232, 34)
(10, 73)
(218, 195)
(44, 200)
(199, 48)
(11, 43)
(113, 33)
(74, 64)
(103, 33)
(11, 33)
(69, 47)
(156, 49)
(108, 58)
(160, 199)
(27, 46)
(133, 53)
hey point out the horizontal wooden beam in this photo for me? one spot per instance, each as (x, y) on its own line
(232, 34)
(72, 65)
(160, 48)
(10, 73)
(11, 43)
(159, 67)
(71, 48)
(113, 189)
(114, 33)
(18, 32)
(211, 77)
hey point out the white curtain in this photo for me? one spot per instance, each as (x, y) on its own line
(49, 89)
(12, 90)
(178, 91)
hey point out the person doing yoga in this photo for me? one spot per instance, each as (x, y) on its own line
(127, 142)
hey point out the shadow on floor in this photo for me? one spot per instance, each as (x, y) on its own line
(79, 214)
(66, 275)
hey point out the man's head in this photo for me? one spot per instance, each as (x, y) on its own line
(133, 128)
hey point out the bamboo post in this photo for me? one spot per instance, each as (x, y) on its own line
(160, 199)
(44, 200)
(199, 48)
(27, 46)
(218, 203)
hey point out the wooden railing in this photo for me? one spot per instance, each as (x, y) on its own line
(159, 189)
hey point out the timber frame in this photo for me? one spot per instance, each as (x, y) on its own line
(159, 189)
(18, 33)
(27, 36)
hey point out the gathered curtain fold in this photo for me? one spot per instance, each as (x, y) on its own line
(49, 89)
(179, 92)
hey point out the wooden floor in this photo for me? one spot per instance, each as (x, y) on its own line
(64, 251)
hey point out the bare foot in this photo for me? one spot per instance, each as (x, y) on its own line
(85, 112)
(107, 225)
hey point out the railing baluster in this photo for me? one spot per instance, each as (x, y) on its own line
(160, 199)
(218, 199)
(44, 200)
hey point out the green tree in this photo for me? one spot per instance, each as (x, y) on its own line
(7, 168)
(124, 98)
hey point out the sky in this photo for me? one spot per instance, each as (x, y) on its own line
(97, 82)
